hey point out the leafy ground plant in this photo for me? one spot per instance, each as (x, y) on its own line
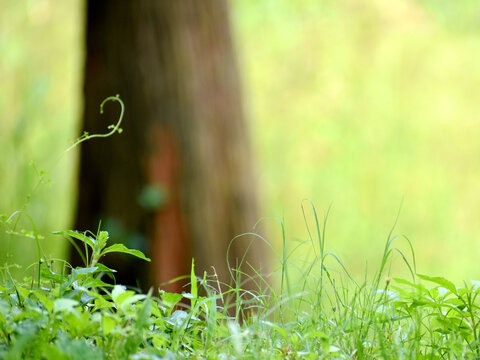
(62, 312)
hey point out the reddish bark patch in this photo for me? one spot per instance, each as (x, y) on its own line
(169, 248)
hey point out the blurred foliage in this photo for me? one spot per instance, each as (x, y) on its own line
(364, 104)
(40, 70)
(357, 104)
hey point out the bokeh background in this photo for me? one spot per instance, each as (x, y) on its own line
(362, 106)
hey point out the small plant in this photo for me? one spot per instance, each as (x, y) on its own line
(114, 128)
(71, 313)
(62, 312)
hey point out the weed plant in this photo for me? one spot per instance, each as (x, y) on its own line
(62, 312)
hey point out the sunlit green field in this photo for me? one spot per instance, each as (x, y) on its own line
(367, 107)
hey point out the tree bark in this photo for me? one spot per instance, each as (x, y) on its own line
(185, 135)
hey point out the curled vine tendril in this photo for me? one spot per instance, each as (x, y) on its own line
(113, 128)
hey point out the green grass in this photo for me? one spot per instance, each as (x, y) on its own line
(60, 312)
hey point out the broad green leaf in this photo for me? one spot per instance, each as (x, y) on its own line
(108, 323)
(82, 325)
(120, 248)
(83, 270)
(117, 291)
(178, 318)
(102, 303)
(49, 351)
(45, 300)
(440, 281)
(78, 349)
(86, 298)
(169, 300)
(126, 299)
(101, 240)
(23, 292)
(51, 275)
(157, 310)
(143, 315)
(123, 298)
(91, 283)
(102, 267)
(79, 236)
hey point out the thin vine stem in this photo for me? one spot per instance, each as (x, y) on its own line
(113, 128)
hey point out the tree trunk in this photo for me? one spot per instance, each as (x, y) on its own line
(178, 181)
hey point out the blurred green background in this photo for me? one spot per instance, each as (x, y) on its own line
(355, 104)
(40, 99)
